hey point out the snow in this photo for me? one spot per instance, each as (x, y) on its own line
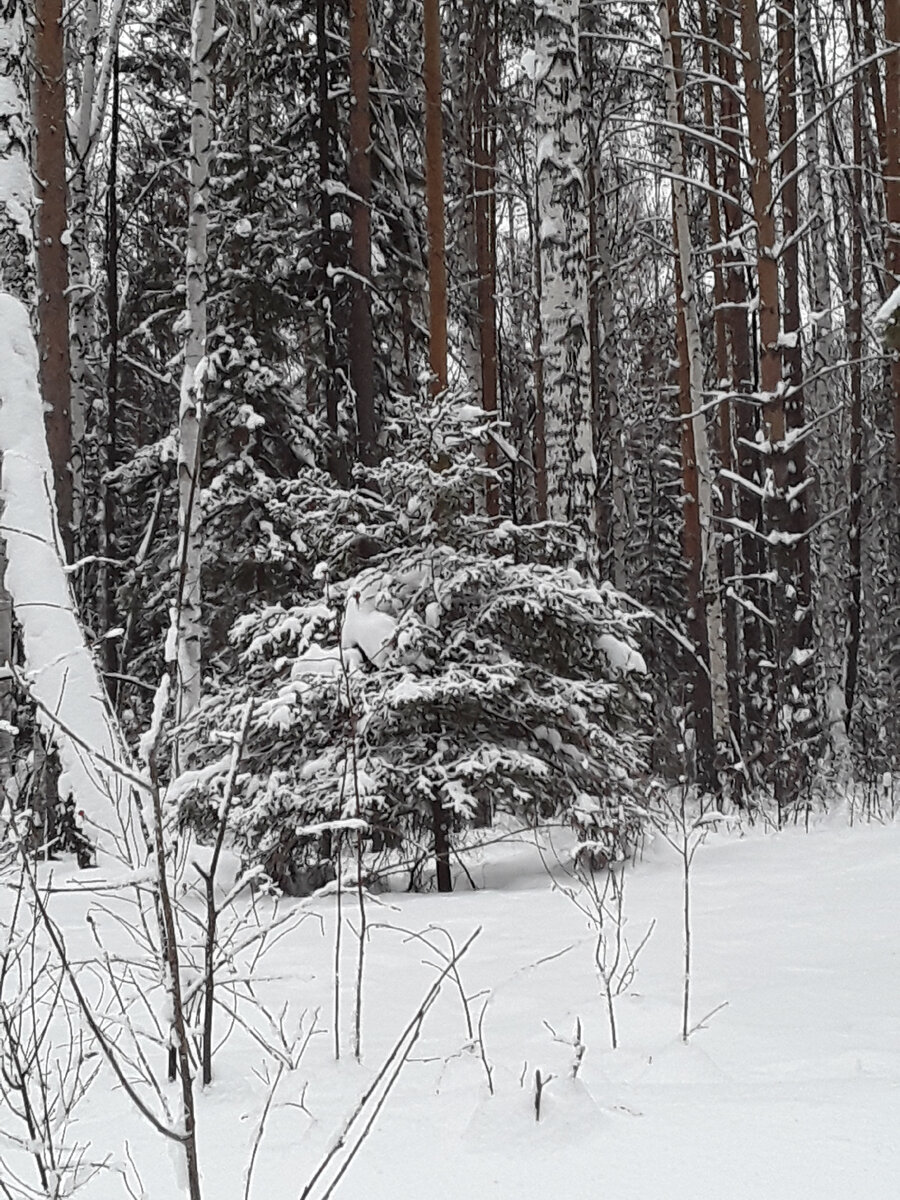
(789, 1091)
(622, 657)
(59, 668)
(887, 311)
(368, 629)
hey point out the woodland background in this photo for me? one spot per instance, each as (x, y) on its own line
(503, 398)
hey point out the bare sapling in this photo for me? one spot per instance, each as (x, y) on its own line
(209, 883)
(597, 889)
(179, 1026)
(45, 1065)
(447, 963)
(685, 831)
(356, 1129)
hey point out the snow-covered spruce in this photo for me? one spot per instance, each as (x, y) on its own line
(488, 685)
(431, 658)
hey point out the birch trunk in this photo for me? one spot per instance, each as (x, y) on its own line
(189, 616)
(695, 445)
(562, 214)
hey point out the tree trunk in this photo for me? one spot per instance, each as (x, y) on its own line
(710, 692)
(188, 611)
(361, 349)
(485, 33)
(562, 210)
(107, 538)
(329, 373)
(747, 591)
(892, 189)
(855, 353)
(17, 273)
(434, 198)
(437, 302)
(792, 717)
(727, 554)
(52, 250)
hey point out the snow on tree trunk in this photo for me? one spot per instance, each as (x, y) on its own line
(58, 663)
(188, 614)
(562, 203)
(696, 444)
(17, 268)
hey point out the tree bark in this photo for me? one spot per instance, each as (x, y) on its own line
(189, 615)
(710, 691)
(437, 303)
(434, 199)
(485, 33)
(792, 717)
(562, 212)
(892, 189)
(361, 348)
(52, 250)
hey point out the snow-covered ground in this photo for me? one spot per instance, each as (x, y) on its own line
(792, 1090)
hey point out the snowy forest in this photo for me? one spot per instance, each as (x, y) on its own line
(446, 446)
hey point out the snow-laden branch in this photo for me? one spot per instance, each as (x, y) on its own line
(59, 667)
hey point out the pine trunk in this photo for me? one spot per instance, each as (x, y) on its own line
(361, 348)
(52, 250)
(793, 716)
(434, 197)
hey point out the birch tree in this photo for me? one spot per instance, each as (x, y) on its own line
(562, 215)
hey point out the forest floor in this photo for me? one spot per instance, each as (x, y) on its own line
(790, 1091)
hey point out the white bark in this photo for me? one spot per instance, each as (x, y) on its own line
(562, 199)
(59, 668)
(188, 614)
(712, 591)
